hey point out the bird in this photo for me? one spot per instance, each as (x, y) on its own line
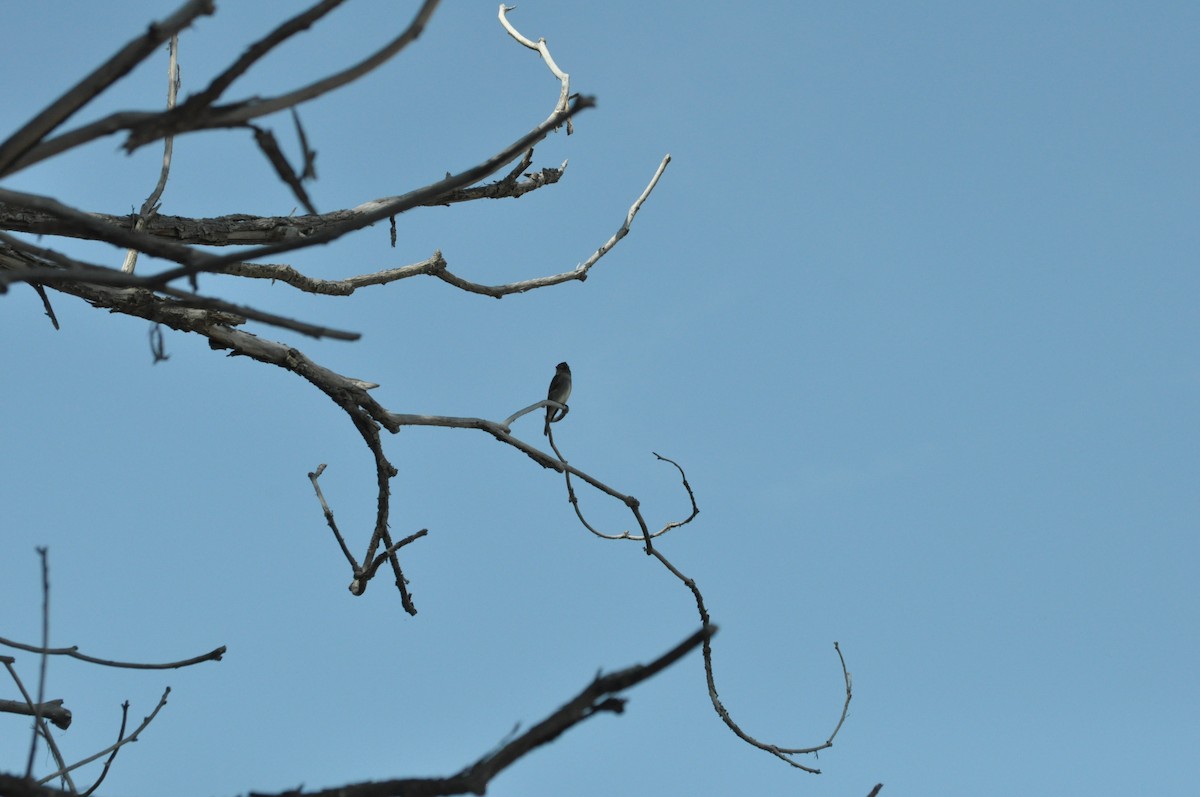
(560, 391)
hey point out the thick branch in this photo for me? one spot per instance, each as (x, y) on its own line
(52, 710)
(241, 229)
(21, 261)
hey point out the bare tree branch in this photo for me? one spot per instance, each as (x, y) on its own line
(150, 206)
(113, 755)
(194, 261)
(41, 292)
(25, 139)
(368, 213)
(186, 118)
(73, 652)
(41, 692)
(242, 229)
(270, 147)
(52, 710)
(297, 24)
(133, 737)
(140, 302)
(177, 240)
(600, 696)
(541, 47)
(39, 723)
(89, 226)
(361, 574)
(197, 113)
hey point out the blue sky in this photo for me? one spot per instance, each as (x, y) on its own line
(914, 305)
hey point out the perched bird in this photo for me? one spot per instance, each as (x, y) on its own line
(560, 391)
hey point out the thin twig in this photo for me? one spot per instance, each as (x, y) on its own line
(196, 113)
(314, 477)
(73, 652)
(186, 119)
(150, 206)
(290, 27)
(391, 551)
(369, 213)
(41, 691)
(309, 155)
(783, 753)
(41, 292)
(113, 755)
(543, 49)
(580, 272)
(270, 147)
(130, 738)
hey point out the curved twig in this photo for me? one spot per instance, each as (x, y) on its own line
(783, 753)
(543, 49)
(73, 652)
(626, 535)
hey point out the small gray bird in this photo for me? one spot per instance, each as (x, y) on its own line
(560, 391)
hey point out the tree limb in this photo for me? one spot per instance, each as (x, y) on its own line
(27, 137)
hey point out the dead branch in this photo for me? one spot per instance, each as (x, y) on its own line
(198, 113)
(73, 652)
(542, 49)
(363, 574)
(150, 206)
(176, 240)
(241, 229)
(600, 696)
(19, 259)
(113, 755)
(39, 722)
(52, 710)
(435, 266)
(16, 150)
(133, 737)
(194, 261)
(43, 659)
